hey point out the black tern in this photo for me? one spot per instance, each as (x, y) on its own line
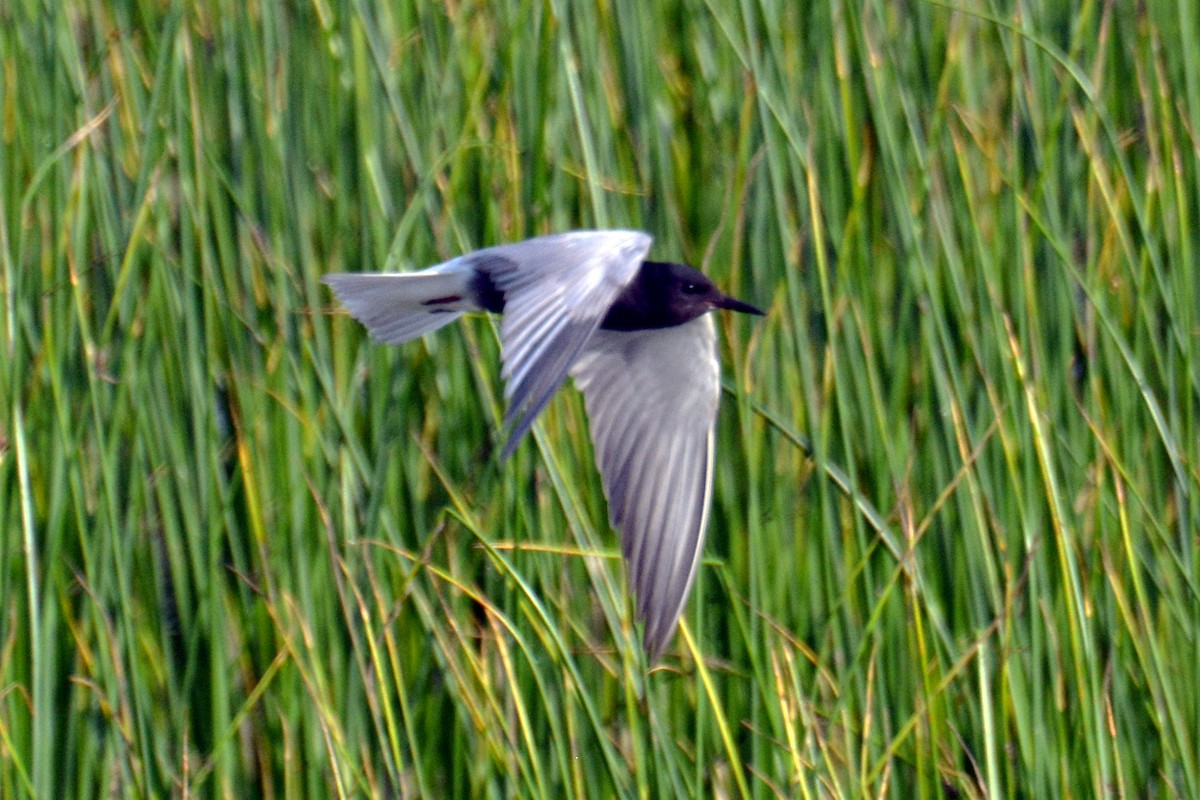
(636, 337)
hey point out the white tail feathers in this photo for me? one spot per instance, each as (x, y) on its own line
(396, 307)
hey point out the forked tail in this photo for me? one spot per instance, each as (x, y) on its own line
(396, 307)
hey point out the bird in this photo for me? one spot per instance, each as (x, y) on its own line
(636, 337)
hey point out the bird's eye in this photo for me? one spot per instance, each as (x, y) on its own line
(693, 288)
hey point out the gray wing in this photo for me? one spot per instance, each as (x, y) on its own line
(556, 290)
(651, 400)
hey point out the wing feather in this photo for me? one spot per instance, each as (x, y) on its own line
(652, 399)
(557, 290)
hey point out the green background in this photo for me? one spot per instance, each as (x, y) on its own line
(954, 545)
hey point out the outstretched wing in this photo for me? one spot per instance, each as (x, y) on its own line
(652, 400)
(556, 291)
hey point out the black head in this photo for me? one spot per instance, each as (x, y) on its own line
(663, 295)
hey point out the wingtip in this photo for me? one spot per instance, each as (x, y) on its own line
(655, 645)
(658, 631)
